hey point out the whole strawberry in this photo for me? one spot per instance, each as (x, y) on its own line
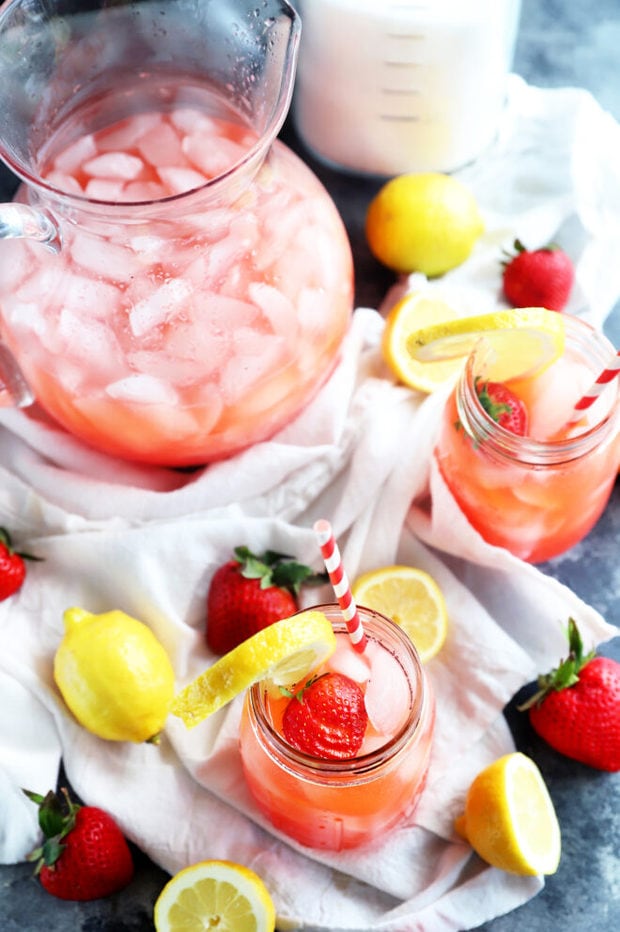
(327, 717)
(250, 592)
(540, 278)
(503, 406)
(577, 707)
(84, 855)
(12, 566)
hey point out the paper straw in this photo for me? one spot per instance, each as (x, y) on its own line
(607, 375)
(340, 583)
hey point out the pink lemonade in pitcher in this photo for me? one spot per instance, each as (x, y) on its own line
(206, 300)
(352, 797)
(538, 494)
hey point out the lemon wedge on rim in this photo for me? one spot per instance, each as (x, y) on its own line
(214, 894)
(281, 654)
(521, 341)
(411, 598)
(509, 817)
(412, 313)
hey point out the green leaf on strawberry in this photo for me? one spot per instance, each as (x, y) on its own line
(566, 673)
(277, 569)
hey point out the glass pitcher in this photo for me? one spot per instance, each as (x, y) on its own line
(175, 284)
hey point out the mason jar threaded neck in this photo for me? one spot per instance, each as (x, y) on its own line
(594, 350)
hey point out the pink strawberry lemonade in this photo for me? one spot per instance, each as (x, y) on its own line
(202, 291)
(337, 804)
(540, 494)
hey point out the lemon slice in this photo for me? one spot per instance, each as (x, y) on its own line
(281, 653)
(522, 341)
(509, 818)
(410, 314)
(215, 894)
(412, 599)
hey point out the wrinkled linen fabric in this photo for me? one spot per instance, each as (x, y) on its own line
(147, 540)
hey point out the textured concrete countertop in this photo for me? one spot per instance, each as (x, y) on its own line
(560, 44)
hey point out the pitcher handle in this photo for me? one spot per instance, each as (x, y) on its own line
(21, 220)
(14, 390)
(17, 221)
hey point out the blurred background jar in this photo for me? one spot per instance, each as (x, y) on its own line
(385, 88)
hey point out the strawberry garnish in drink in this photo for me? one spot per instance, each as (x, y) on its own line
(503, 406)
(327, 717)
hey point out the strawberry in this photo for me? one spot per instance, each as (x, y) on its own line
(540, 278)
(84, 855)
(12, 566)
(327, 717)
(250, 592)
(503, 406)
(577, 706)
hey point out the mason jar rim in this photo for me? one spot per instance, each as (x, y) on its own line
(482, 429)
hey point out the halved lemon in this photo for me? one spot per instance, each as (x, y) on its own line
(281, 654)
(215, 895)
(521, 341)
(412, 313)
(411, 598)
(509, 817)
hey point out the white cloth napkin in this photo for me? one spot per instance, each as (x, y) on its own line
(147, 541)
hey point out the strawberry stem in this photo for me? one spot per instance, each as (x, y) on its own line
(55, 821)
(566, 674)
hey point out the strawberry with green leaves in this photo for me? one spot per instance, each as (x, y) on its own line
(84, 855)
(12, 566)
(327, 717)
(251, 592)
(538, 278)
(576, 708)
(503, 406)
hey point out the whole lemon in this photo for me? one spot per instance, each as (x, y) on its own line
(426, 222)
(114, 675)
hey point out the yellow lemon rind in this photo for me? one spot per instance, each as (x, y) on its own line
(518, 835)
(521, 341)
(114, 676)
(281, 653)
(413, 311)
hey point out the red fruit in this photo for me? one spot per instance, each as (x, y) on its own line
(12, 567)
(503, 406)
(84, 855)
(540, 278)
(250, 593)
(327, 717)
(577, 707)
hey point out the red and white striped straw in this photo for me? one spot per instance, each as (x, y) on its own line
(611, 371)
(340, 583)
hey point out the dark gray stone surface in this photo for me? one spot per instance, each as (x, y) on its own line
(560, 44)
